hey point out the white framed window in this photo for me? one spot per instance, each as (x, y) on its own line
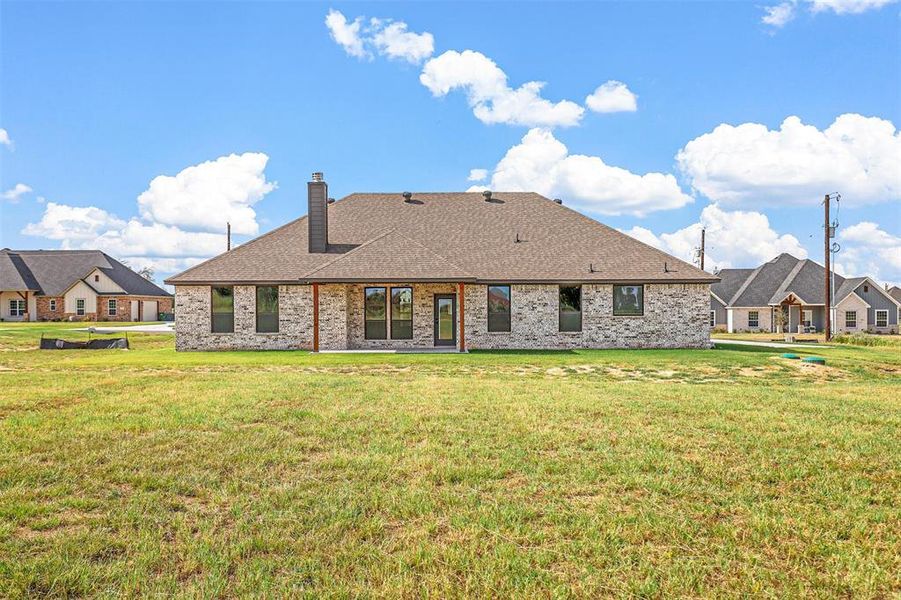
(111, 307)
(881, 318)
(850, 319)
(16, 308)
(713, 318)
(79, 307)
(52, 304)
(753, 319)
(806, 317)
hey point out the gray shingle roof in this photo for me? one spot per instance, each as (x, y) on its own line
(895, 292)
(730, 281)
(52, 272)
(474, 238)
(764, 282)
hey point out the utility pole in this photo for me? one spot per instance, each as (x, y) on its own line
(228, 235)
(828, 288)
(703, 232)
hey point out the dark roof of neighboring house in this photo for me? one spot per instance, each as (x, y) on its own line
(846, 287)
(457, 236)
(730, 281)
(764, 282)
(52, 272)
(772, 282)
(895, 292)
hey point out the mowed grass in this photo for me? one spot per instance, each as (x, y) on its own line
(728, 472)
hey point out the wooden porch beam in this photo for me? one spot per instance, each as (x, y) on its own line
(315, 317)
(460, 287)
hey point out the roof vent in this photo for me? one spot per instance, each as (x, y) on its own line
(408, 196)
(317, 177)
(487, 195)
(558, 201)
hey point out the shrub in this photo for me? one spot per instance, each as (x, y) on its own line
(863, 339)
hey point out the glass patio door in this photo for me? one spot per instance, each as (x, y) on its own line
(445, 320)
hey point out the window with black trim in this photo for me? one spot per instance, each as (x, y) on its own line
(267, 309)
(223, 307)
(753, 319)
(570, 317)
(375, 312)
(628, 300)
(499, 308)
(111, 307)
(713, 318)
(401, 313)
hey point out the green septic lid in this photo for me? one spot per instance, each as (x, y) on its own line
(817, 360)
(790, 355)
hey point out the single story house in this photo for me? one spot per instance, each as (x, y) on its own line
(750, 300)
(78, 285)
(441, 270)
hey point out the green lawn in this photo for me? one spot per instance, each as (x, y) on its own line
(728, 472)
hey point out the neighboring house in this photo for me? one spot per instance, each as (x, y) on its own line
(83, 285)
(455, 270)
(750, 300)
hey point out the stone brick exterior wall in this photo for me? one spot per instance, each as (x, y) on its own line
(675, 316)
(193, 320)
(333, 334)
(43, 308)
(423, 316)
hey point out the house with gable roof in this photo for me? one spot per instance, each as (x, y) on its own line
(749, 299)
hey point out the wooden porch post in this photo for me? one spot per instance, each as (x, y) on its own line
(315, 317)
(462, 317)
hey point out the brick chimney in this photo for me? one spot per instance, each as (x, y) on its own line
(317, 213)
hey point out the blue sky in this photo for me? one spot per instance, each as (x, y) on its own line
(140, 128)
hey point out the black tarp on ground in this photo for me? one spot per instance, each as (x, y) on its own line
(95, 344)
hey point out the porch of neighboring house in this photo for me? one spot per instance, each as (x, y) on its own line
(799, 317)
(17, 305)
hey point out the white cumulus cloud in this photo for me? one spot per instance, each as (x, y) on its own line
(15, 193)
(477, 175)
(867, 249)
(777, 15)
(843, 7)
(72, 223)
(542, 163)
(394, 41)
(740, 239)
(490, 96)
(5, 140)
(613, 96)
(798, 164)
(346, 34)
(181, 218)
(385, 37)
(206, 196)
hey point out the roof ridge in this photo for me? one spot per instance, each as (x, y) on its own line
(744, 286)
(346, 254)
(377, 238)
(789, 279)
